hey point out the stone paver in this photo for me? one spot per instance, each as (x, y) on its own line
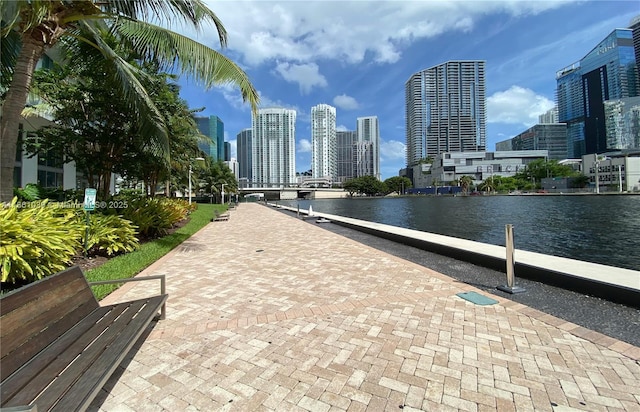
(270, 313)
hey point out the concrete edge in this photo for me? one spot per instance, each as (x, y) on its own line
(608, 282)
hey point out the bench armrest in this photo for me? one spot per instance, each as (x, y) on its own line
(29, 408)
(163, 286)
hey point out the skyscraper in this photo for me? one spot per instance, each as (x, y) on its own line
(368, 131)
(213, 128)
(607, 72)
(445, 110)
(273, 154)
(345, 141)
(324, 162)
(243, 140)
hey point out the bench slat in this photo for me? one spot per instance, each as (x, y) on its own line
(38, 328)
(17, 298)
(25, 315)
(22, 387)
(102, 368)
(26, 351)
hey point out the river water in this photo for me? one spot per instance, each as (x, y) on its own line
(602, 229)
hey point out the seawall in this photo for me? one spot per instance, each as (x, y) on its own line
(608, 282)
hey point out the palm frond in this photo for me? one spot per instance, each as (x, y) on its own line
(133, 91)
(171, 50)
(194, 12)
(10, 46)
(9, 16)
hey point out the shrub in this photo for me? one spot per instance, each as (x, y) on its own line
(37, 241)
(154, 216)
(110, 235)
(29, 192)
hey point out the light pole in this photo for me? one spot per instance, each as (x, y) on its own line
(222, 192)
(191, 171)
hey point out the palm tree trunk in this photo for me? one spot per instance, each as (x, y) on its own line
(14, 103)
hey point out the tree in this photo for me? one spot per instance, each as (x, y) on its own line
(366, 185)
(215, 175)
(488, 185)
(465, 183)
(398, 184)
(30, 27)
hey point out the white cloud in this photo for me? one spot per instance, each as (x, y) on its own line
(517, 105)
(342, 128)
(306, 75)
(233, 96)
(345, 102)
(392, 150)
(303, 31)
(304, 146)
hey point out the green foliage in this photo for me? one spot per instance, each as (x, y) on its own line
(541, 168)
(110, 235)
(154, 216)
(36, 241)
(399, 184)
(465, 183)
(29, 192)
(365, 185)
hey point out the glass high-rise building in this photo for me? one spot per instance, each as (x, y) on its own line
(273, 154)
(445, 110)
(607, 72)
(368, 132)
(345, 141)
(243, 147)
(213, 128)
(324, 161)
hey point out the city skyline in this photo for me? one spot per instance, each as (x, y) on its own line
(358, 57)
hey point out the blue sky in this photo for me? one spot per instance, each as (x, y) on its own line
(358, 55)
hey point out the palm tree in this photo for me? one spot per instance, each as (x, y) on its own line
(488, 185)
(465, 183)
(31, 27)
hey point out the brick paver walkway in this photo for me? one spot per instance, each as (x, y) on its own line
(269, 313)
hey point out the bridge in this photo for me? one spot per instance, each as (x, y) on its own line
(292, 193)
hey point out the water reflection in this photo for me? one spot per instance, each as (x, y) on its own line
(601, 229)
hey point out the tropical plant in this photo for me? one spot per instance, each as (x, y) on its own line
(155, 216)
(36, 241)
(215, 176)
(109, 235)
(30, 27)
(488, 184)
(29, 192)
(465, 183)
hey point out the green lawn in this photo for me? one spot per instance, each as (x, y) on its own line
(130, 264)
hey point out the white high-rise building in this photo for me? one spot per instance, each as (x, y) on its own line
(324, 161)
(445, 110)
(550, 116)
(368, 131)
(273, 154)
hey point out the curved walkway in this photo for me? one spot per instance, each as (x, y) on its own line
(269, 313)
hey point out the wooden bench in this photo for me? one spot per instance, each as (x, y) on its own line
(59, 346)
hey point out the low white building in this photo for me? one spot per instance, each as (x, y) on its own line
(451, 166)
(615, 172)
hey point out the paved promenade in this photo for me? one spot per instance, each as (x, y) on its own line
(270, 313)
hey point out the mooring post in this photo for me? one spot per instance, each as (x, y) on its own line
(510, 287)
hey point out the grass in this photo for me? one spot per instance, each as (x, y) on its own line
(130, 264)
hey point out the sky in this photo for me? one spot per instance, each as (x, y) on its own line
(358, 55)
